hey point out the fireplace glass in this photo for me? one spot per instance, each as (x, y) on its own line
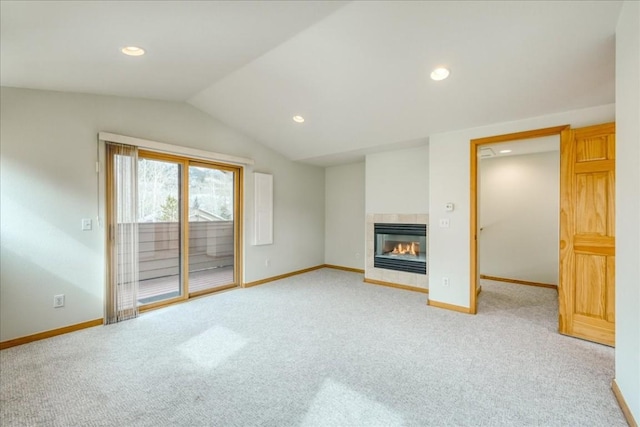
(401, 247)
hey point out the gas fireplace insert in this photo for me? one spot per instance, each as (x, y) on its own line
(401, 247)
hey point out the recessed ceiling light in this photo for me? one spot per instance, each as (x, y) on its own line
(505, 151)
(298, 119)
(133, 51)
(439, 74)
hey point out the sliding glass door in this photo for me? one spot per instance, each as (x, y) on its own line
(187, 228)
(211, 227)
(160, 227)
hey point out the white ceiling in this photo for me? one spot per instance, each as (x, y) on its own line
(357, 71)
(75, 45)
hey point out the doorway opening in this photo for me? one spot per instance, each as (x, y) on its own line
(478, 146)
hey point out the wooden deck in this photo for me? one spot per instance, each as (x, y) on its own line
(210, 246)
(152, 290)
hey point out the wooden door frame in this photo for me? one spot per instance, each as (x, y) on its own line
(238, 224)
(473, 217)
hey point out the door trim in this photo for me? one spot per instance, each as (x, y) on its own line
(473, 217)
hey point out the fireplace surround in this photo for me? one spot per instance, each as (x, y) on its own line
(405, 279)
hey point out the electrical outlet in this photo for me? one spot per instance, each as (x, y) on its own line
(267, 262)
(444, 223)
(58, 301)
(445, 281)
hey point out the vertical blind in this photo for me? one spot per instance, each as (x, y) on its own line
(122, 216)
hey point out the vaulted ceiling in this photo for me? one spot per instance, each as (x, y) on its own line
(358, 72)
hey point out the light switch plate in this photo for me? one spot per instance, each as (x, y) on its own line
(444, 223)
(87, 224)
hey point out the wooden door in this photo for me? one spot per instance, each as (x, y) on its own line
(587, 233)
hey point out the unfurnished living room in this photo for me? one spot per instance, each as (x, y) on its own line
(320, 213)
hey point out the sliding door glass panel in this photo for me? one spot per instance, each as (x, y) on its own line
(211, 228)
(159, 229)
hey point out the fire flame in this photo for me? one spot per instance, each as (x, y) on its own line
(406, 249)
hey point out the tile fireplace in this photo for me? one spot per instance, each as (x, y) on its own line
(397, 250)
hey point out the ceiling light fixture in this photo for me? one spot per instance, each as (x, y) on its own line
(505, 151)
(439, 74)
(298, 119)
(133, 51)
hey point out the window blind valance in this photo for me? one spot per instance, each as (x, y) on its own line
(173, 149)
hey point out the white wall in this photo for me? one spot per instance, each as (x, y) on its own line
(344, 215)
(48, 183)
(628, 205)
(449, 167)
(519, 216)
(398, 181)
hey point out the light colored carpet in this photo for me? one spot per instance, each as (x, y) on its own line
(318, 349)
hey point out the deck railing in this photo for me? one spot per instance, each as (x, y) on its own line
(210, 246)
